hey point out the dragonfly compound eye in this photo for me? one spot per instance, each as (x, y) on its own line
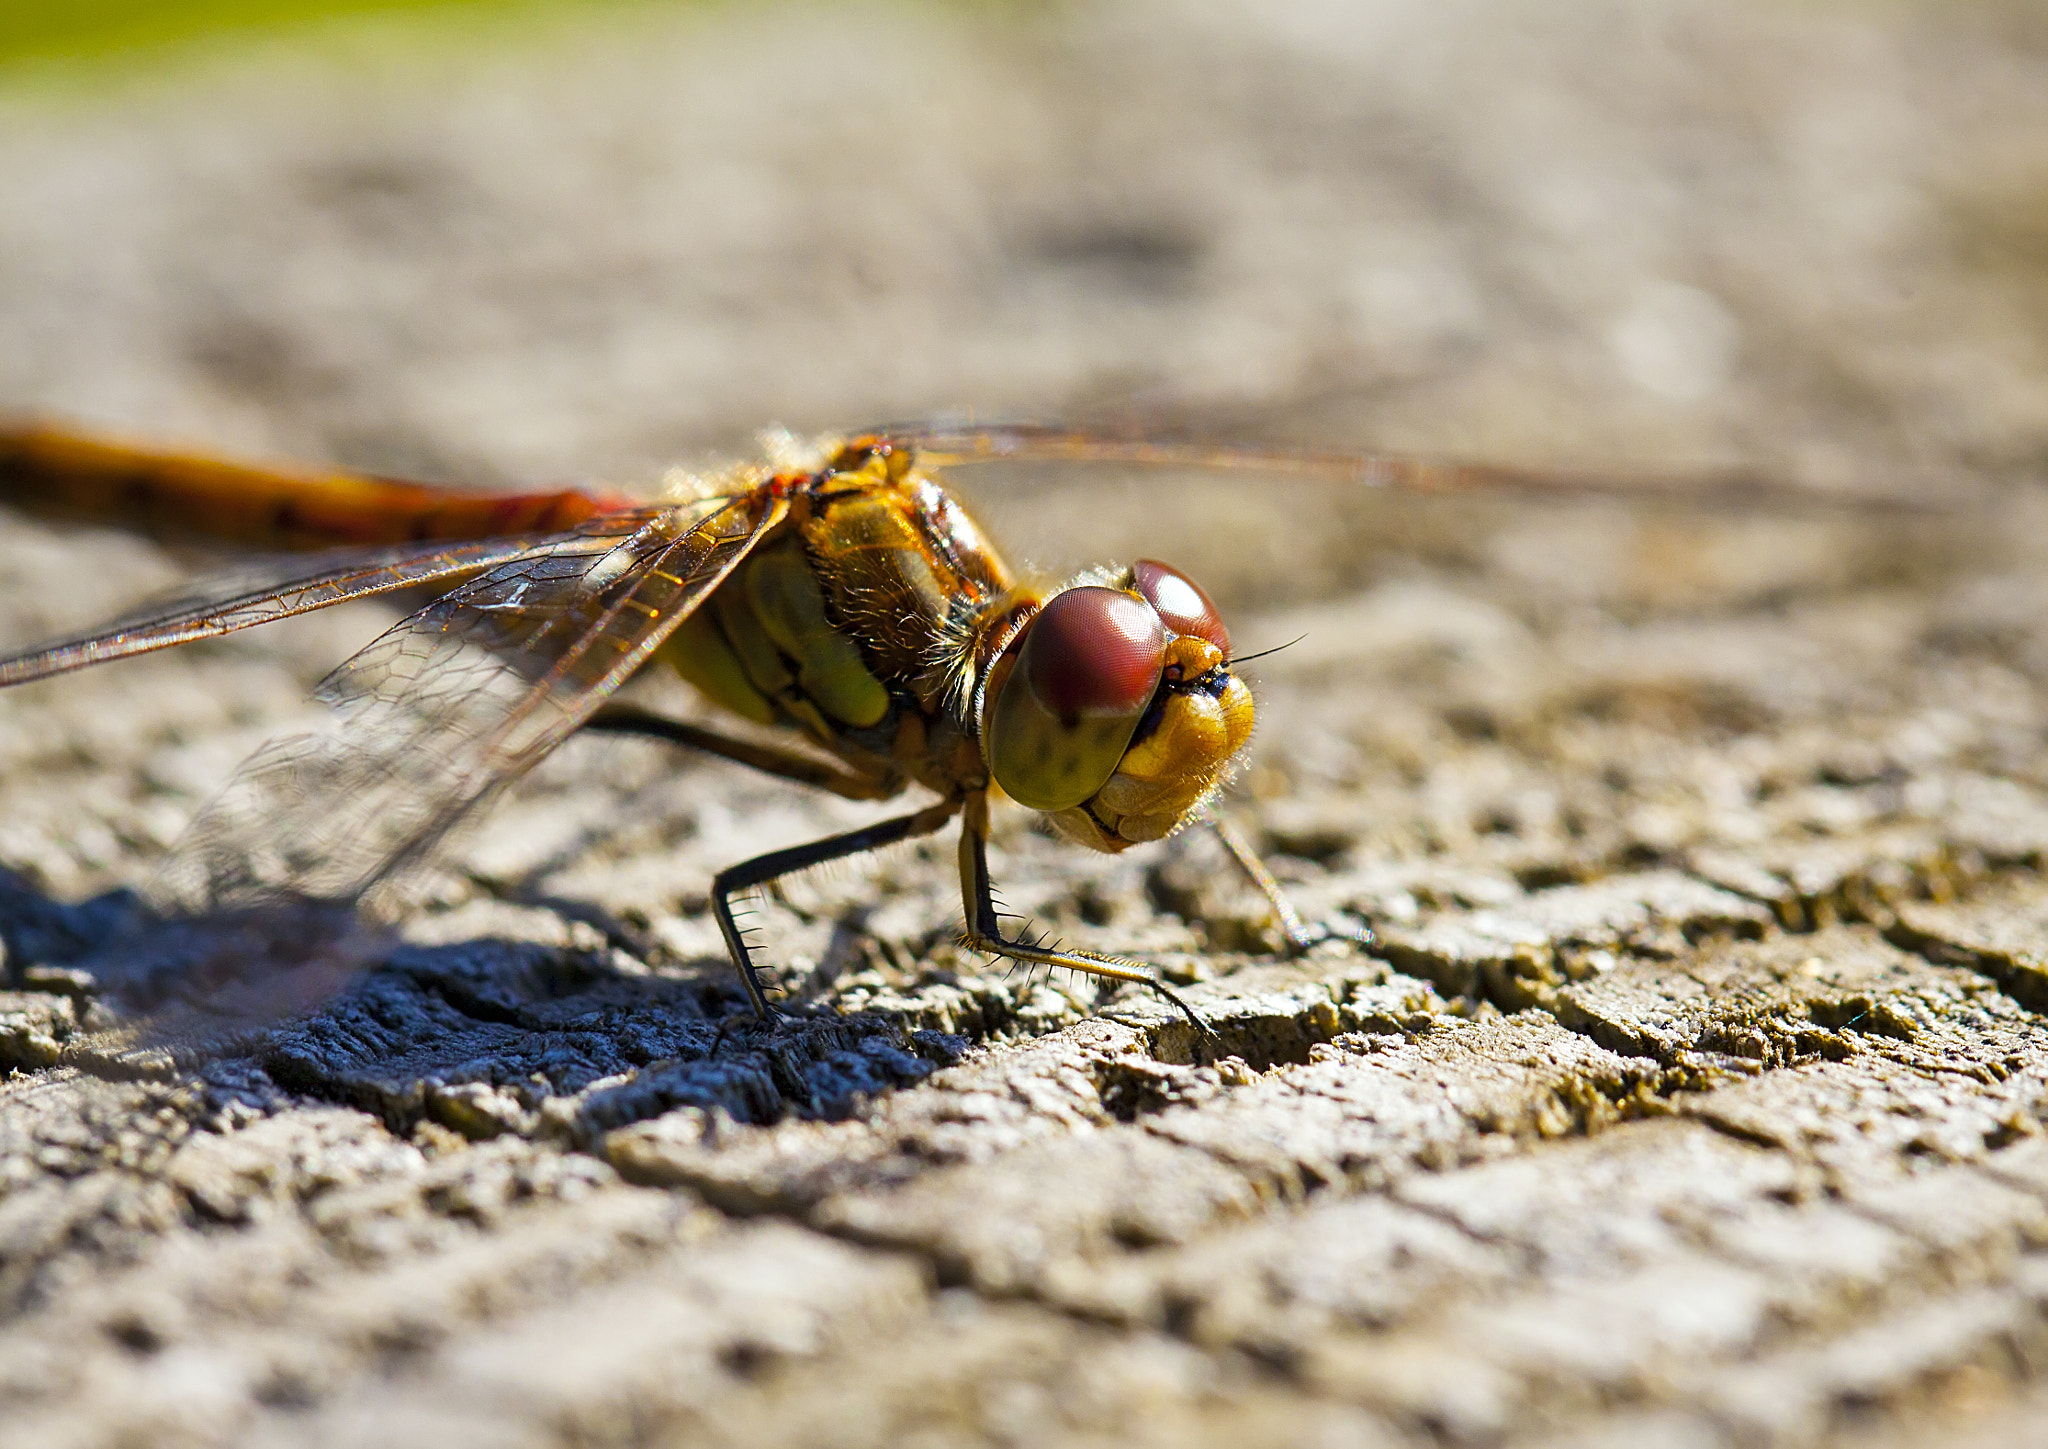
(1180, 602)
(1086, 671)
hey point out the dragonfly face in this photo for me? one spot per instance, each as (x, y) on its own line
(1114, 710)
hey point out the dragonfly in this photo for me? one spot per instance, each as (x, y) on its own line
(834, 596)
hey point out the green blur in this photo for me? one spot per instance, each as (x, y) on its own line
(69, 31)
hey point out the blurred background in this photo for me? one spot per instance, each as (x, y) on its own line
(574, 239)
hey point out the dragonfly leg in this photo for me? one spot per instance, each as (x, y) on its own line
(626, 719)
(985, 931)
(764, 868)
(1300, 935)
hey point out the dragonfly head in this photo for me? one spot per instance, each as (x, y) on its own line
(1113, 709)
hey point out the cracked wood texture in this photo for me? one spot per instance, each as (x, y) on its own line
(1693, 1094)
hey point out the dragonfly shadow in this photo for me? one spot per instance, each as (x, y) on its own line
(483, 1036)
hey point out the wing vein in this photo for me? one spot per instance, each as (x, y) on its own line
(280, 589)
(447, 708)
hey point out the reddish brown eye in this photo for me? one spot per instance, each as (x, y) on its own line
(1180, 602)
(1093, 651)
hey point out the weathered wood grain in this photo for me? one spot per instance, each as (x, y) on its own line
(1693, 1091)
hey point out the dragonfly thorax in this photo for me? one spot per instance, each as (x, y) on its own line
(1113, 709)
(856, 621)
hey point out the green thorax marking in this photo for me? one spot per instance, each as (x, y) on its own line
(850, 610)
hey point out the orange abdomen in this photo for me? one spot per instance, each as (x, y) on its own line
(58, 474)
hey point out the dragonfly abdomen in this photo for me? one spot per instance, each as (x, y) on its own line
(58, 474)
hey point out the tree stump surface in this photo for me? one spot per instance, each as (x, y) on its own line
(1692, 1092)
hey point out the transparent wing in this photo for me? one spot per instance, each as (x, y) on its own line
(279, 588)
(948, 444)
(450, 706)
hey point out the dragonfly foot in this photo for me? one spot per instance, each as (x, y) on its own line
(1203, 1031)
(1302, 937)
(1094, 965)
(738, 1024)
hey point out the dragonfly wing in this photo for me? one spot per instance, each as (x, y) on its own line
(954, 445)
(280, 588)
(451, 705)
